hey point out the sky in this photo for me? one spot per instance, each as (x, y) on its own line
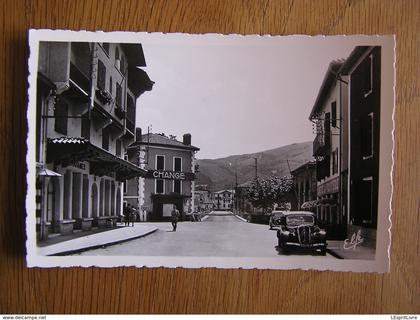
(236, 94)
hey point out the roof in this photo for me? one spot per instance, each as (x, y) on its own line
(156, 139)
(326, 86)
(303, 167)
(134, 53)
(336, 68)
(223, 191)
(353, 58)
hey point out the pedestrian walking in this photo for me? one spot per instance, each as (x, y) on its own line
(127, 213)
(175, 217)
(133, 215)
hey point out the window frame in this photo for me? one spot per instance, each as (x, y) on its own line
(156, 162)
(173, 163)
(368, 156)
(163, 186)
(180, 186)
(368, 92)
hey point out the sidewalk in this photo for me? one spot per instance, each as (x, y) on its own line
(97, 240)
(361, 252)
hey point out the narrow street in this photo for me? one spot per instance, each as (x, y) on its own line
(218, 236)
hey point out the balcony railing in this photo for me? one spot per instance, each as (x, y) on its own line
(79, 78)
(130, 126)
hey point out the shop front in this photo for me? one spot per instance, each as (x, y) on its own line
(163, 206)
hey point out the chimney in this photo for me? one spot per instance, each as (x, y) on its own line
(186, 139)
(138, 134)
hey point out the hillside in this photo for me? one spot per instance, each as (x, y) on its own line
(220, 173)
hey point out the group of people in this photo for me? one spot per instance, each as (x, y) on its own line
(130, 215)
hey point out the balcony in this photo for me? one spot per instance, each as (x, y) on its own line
(321, 144)
(79, 85)
(130, 126)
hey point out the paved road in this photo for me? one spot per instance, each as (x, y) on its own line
(218, 236)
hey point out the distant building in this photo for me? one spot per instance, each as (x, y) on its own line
(223, 199)
(203, 201)
(86, 95)
(170, 166)
(305, 185)
(347, 117)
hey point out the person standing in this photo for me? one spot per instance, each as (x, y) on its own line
(127, 213)
(133, 215)
(175, 217)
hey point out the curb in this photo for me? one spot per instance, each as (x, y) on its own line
(96, 246)
(240, 218)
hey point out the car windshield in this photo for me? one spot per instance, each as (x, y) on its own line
(295, 220)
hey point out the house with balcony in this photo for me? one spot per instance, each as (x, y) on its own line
(326, 114)
(86, 95)
(346, 115)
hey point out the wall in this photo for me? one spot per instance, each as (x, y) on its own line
(160, 290)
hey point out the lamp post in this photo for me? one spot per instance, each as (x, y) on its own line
(45, 174)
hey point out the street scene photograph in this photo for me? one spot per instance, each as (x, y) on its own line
(232, 151)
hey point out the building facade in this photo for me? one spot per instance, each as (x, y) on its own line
(86, 95)
(305, 180)
(203, 201)
(327, 148)
(223, 199)
(346, 114)
(170, 166)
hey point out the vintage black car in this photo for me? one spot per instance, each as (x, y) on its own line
(298, 230)
(275, 219)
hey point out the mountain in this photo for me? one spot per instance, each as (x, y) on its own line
(220, 173)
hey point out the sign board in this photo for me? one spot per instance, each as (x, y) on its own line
(170, 175)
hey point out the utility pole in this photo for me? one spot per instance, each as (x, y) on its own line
(294, 186)
(256, 168)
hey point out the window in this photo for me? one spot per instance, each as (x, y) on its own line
(327, 128)
(160, 162)
(101, 75)
(119, 96)
(334, 114)
(86, 128)
(159, 186)
(367, 135)
(110, 85)
(117, 53)
(60, 114)
(335, 161)
(125, 186)
(105, 139)
(122, 65)
(366, 191)
(118, 148)
(367, 74)
(177, 186)
(177, 164)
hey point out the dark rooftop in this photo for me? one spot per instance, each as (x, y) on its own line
(158, 139)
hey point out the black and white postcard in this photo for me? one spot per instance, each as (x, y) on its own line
(227, 151)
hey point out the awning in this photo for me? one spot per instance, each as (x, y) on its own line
(44, 172)
(67, 151)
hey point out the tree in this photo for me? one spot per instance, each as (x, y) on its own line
(264, 193)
